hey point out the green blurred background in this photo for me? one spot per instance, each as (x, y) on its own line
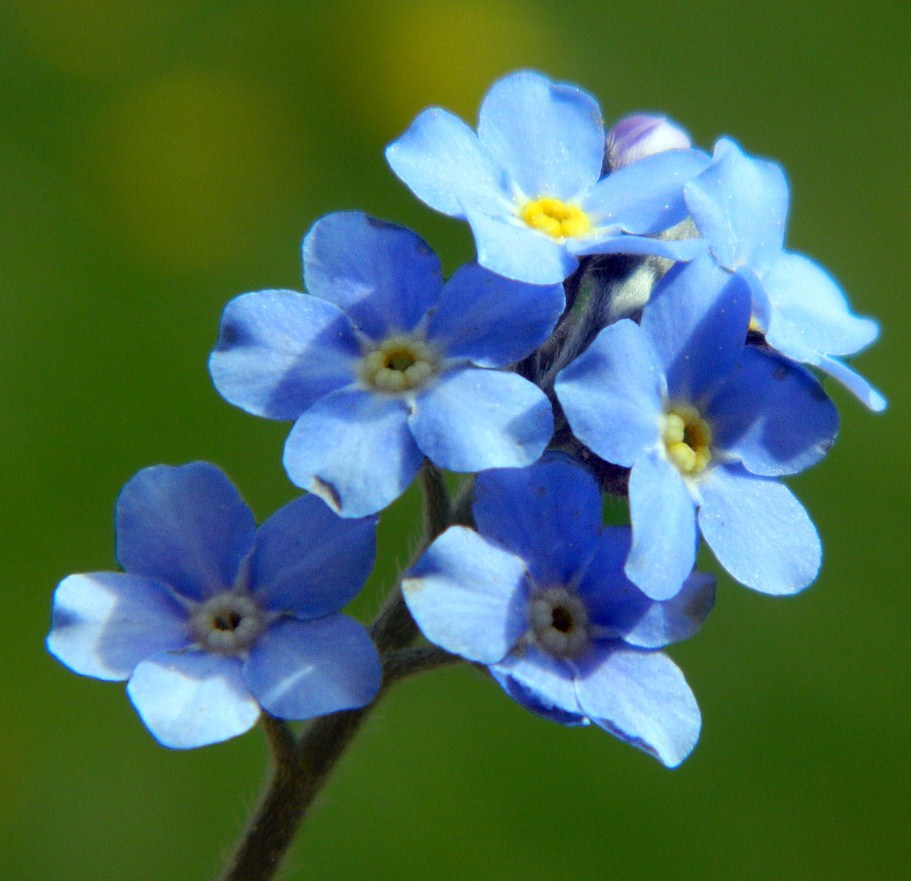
(159, 157)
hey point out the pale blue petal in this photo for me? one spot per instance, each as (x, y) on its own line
(440, 160)
(186, 526)
(548, 136)
(740, 205)
(309, 561)
(647, 196)
(354, 450)
(808, 310)
(104, 623)
(641, 698)
(612, 394)
(541, 684)
(621, 610)
(279, 351)
(493, 321)
(852, 381)
(509, 247)
(696, 321)
(608, 242)
(468, 595)
(772, 415)
(662, 513)
(758, 531)
(301, 669)
(472, 419)
(385, 277)
(548, 514)
(192, 698)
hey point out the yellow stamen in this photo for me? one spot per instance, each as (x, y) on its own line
(555, 218)
(687, 439)
(398, 364)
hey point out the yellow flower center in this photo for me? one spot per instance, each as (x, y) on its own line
(399, 364)
(687, 438)
(555, 218)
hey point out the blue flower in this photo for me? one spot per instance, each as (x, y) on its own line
(706, 423)
(529, 182)
(381, 364)
(739, 205)
(214, 618)
(539, 596)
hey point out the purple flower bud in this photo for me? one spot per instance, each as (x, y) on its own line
(636, 137)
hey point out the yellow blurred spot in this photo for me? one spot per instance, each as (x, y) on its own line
(97, 40)
(194, 163)
(555, 218)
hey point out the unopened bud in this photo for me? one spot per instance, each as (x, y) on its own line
(635, 137)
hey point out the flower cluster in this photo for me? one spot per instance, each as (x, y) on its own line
(633, 325)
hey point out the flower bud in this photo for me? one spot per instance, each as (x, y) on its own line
(638, 136)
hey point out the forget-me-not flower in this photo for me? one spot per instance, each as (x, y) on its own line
(539, 596)
(740, 205)
(381, 364)
(529, 182)
(707, 423)
(214, 618)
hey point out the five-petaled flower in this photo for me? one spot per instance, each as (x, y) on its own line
(214, 619)
(539, 596)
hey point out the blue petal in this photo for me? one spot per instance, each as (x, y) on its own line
(662, 513)
(186, 526)
(354, 450)
(279, 351)
(772, 415)
(548, 514)
(440, 160)
(758, 531)
(548, 136)
(468, 595)
(619, 609)
(472, 419)
(608, 242)
(491, 320)
(192, 699)
(740, 205)
(852, 381)
(541, 684)
(301, 669)
(696, 321)
(612, 394)
(308, 561)
(641, 698)
(383, 275)
(809, 311)
(647, 196)
(104, 623)
(514, 250)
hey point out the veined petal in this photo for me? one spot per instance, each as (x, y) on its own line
(491, 320)
(310, 562)
(353, 449)
(301, 669)
(472, 419)
(468, 595)
(772, 415)
(280, 351)
(612, 392)
(548, 514)
(641, 698)
(385, 277)
(758, 531)
(663, 517)
(187, 527)
(191, 699)
(548, 136)
(104, 623)
(647, 196)
(440, 160)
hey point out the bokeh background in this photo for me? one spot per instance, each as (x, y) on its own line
(160, 156)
